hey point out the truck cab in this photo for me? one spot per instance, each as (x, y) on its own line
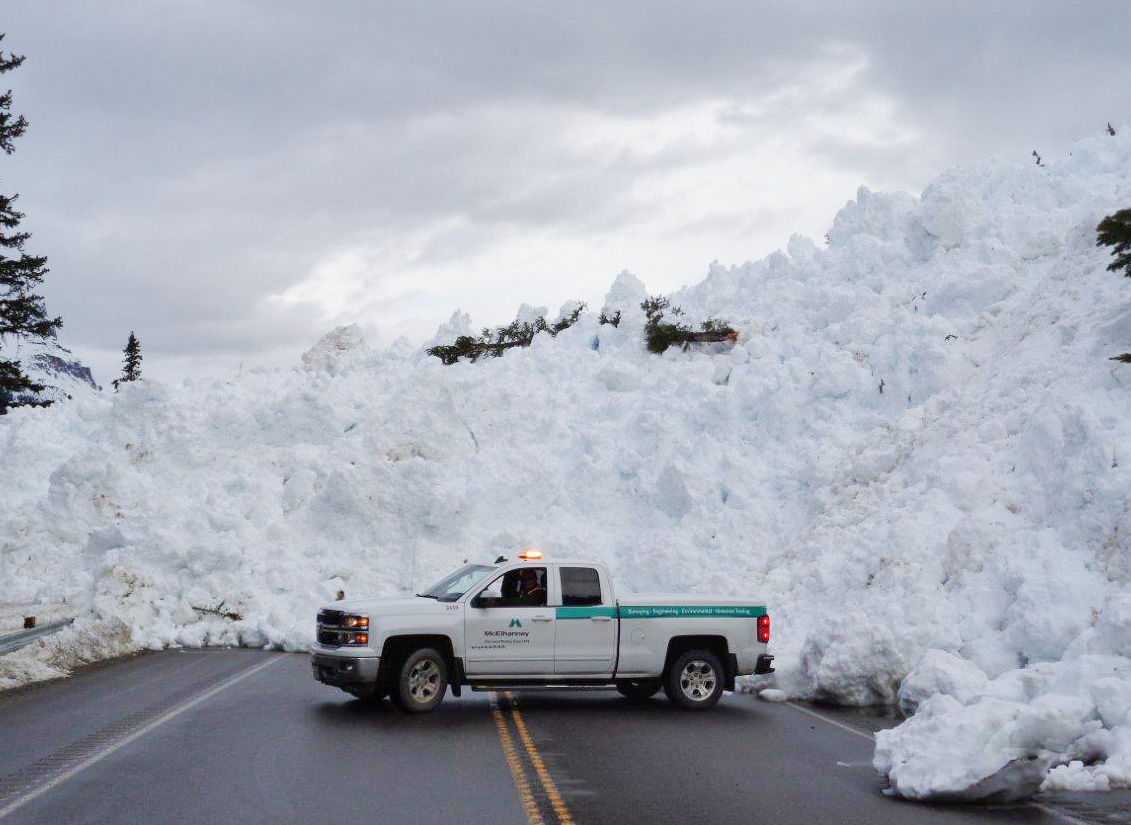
(536, 622)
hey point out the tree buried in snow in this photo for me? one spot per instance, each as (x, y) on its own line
(495, 343)
(661, 334)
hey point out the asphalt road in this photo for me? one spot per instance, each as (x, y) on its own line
(236, 736)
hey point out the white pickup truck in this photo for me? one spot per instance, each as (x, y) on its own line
(535, 622)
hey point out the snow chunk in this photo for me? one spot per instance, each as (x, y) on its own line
(625, 296)
(528, 314)
(939, 672)
(857, 664)
(1075, 777)
(336, 350)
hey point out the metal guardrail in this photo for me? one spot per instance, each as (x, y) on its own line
(15, 641)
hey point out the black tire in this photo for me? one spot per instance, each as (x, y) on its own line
(695, 680)
(422, 681)
(639, 690)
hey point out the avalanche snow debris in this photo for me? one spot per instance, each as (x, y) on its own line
(959, 542)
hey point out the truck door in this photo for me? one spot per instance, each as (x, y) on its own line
(586, 635)
(508, 628)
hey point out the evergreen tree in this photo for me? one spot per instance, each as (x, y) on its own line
(22, 312)
(1115, 231)
(131, 361)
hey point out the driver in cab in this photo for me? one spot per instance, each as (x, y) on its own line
(524, 587)
(530, 588)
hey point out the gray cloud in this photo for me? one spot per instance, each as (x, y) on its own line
(198, 172)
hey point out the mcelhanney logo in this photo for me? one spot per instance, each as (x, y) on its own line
(515, 623)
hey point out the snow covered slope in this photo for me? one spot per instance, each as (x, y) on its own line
(52, 365)
(918, 445)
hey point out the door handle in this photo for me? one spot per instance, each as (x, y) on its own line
(601, 618)
(539, 618)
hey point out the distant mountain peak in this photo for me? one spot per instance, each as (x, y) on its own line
(51, 364)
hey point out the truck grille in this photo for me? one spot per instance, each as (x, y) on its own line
(330, 630)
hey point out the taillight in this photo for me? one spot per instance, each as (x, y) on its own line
(764, 629)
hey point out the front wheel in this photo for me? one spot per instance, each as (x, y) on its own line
(422, 681)
(695, 680)
(639, 690)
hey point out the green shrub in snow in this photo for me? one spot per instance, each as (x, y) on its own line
(660, 334)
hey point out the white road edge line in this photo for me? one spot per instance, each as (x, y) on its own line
(1053, 812)
(19, 802)
(1045, 809)
(834, 722)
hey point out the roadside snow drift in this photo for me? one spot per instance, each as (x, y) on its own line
(917, 453)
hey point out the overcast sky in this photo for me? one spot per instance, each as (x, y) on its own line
(231, 179)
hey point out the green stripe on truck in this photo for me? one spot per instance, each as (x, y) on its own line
(664, 612)
(584, 612)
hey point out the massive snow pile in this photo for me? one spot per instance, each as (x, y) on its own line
(917, 452)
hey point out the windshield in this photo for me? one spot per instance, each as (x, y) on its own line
(451, 587)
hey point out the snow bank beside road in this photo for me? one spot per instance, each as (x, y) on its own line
(1075, 714)
(918, 444)
(57, 655)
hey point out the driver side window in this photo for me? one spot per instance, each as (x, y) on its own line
(524, 587)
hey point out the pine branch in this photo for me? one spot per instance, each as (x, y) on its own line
(495, 343)
(219, 610)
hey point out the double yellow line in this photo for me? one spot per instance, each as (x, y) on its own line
(518, 771)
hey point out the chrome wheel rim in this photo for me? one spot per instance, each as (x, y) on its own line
(424, 680)
(698, 680)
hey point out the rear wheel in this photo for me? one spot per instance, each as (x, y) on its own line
(639, 690)
(695, 680)
(421, 682)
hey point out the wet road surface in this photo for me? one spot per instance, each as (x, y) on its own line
(239, 736)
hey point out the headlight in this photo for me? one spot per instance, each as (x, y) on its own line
(355, 621)
(356, 639)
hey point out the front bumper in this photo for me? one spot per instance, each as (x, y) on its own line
(344, 671)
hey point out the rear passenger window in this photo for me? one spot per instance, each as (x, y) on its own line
(580, 586)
